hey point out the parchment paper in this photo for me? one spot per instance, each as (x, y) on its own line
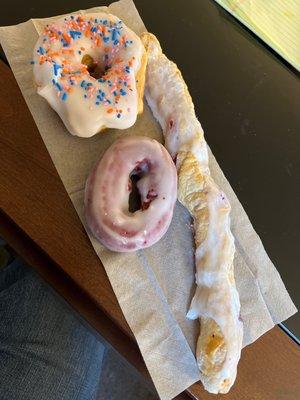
(154, 286)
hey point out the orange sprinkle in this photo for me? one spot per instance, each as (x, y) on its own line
(66, 37)
(82, 48)
(53, 54)
(67, 51)
(110, 110)
(42, 59)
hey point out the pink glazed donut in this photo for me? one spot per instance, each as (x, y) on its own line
(109, 186)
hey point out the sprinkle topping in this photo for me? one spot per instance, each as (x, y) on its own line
(98, 69)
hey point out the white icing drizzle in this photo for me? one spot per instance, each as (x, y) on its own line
(216, 296)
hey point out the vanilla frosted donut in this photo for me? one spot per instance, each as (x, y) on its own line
(108, 188)
(91, 70)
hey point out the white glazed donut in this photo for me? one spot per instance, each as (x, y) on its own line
(91, 70)
(108, 188)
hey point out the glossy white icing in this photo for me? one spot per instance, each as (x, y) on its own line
(108, 188)
(85, 104)
(216, 297)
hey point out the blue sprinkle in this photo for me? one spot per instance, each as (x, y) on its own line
(106, 39)
(114, 35)
(94, 29)
(96, 21)
(115, 93)
(58, 86)
(122, 91)
(125, 83)
(97, 103)
(53, 81)
(56, 67)
(101, 80)
(32, 62)
(41, 51)
(89, 84)
(85, 96)
(79, 51)
(59, 32)
(105, 22)
(118, 115)
(116, 42)
(82, 83)
(75, 34)
(64, 97)
(72, 17)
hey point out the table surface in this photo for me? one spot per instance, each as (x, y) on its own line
(246, 98)
(249, 115)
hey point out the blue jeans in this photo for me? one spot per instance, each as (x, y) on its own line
(46, 352)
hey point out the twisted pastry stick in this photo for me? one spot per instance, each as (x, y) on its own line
(216, 301)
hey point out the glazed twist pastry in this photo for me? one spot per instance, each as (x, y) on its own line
(216, 301)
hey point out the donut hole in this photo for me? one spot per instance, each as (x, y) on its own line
(134, 202)
(95, 69)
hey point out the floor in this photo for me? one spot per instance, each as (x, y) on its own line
(119, 380)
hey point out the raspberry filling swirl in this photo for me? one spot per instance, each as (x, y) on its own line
(109, 186)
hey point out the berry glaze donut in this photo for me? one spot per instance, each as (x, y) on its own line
(109, 186)
(91, 70)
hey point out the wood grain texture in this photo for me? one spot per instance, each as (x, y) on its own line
(34, 199)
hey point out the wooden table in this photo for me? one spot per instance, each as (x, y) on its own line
(38, 220)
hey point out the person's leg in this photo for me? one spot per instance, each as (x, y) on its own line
(46, 353)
